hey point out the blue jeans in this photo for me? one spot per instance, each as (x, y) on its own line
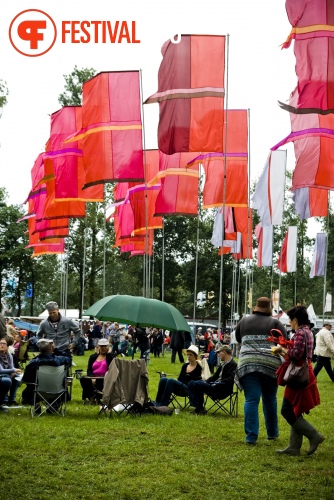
(166, 388)
(255, 385)
(8, 384)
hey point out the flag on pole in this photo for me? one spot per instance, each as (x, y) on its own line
(268, 198)
(310, 202)
(318, 266)
(287, 261)
(264, 237)
(191, 94)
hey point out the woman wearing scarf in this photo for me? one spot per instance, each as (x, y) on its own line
(8, 382)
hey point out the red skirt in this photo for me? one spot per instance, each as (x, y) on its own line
(302, 400)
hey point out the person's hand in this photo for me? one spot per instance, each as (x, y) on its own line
(94, 381)
(70, 346)
(17, 370)
(278, 350)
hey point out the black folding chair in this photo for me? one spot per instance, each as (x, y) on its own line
(177, 395)
(50, 392)
(228, 405)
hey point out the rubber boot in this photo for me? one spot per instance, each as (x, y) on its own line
(304, 427)
(296, 441)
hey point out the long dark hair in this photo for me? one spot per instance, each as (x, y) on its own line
(300, 314)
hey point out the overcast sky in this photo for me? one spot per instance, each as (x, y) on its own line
(260, 73)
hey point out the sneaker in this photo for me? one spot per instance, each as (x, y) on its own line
(3, 410)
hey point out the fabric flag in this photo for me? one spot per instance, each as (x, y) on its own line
(287, 260)
(178, 194)
(112, 129)
(318, 266)
(235, 154)
(312, 135)
(264, 237)
(64, 162)
(312, 28)
(268, 198)
(310, 202)
(143, 198)
(191, 94)
(240, 232)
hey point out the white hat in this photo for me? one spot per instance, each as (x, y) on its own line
(44, 342)
(193, 348)
(103, 342)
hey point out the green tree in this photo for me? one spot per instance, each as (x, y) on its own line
(72, 96)
(3, 93)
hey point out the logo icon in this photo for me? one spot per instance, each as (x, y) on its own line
(32, 32)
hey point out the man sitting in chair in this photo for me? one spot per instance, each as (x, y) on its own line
(46, 356)
(219, 386)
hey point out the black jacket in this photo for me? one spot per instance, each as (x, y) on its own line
(93, 357)
(229, 370)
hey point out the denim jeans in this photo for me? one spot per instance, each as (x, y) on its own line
(255, 385)
(166, 388)
(8, 384)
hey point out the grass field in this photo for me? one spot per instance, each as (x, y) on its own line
(184, 456)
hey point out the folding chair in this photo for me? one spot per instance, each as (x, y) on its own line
(50, 393)
(228, 405)
(182, 394)
(178, 393)
(125, 387)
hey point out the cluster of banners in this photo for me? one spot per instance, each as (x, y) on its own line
(311, 108)
(102, 141)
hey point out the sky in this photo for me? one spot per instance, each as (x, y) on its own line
(259, 72)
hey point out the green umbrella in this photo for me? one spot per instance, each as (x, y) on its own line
(138, 311)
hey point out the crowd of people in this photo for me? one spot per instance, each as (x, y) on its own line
(265, 350)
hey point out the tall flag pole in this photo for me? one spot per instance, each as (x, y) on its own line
(224, 139)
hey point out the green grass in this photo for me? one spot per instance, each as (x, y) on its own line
(83, 456)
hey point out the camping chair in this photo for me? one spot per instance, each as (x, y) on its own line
(183, 395)
(178, 393)
(50, 393)
(125, 389)
(228, 405)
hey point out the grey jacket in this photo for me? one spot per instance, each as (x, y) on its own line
(61, 337)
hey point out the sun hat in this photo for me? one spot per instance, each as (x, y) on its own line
(193, 348)
(42, 343)
(103, 342)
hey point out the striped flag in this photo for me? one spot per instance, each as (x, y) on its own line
(319, 256)
(268, 198)
(264, 237)
(287, 261)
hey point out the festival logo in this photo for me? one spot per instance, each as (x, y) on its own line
(32, 32)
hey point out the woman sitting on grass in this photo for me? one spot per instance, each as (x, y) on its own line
(98, 365)
(189, 371)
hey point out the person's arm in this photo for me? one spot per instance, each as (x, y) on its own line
(77, 332)
(229, 373)
(91, 360)
(238, 333)
(182, 374)
(40, 330)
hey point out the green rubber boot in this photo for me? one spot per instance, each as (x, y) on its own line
(295, 444)
(304, 427)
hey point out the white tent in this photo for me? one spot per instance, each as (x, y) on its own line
(69, 313)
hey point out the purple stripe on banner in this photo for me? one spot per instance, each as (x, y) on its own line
(300, 134)
(71, 151)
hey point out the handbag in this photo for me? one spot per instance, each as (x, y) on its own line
(295, 376)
